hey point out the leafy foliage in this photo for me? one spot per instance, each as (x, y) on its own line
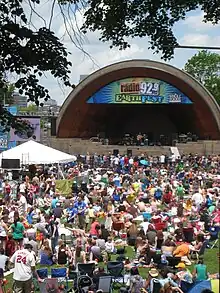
(119, 20)
(32, 108)
(205, 67)
(28, 54)
(6, 94)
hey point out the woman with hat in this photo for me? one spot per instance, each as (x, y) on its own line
(152, 275)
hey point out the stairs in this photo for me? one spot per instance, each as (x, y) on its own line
(175, 151)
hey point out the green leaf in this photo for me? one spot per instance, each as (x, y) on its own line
(205, 67)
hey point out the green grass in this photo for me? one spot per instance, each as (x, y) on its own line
(211, 259)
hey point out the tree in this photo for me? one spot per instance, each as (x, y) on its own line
(119, 20)
(205, 67)
(32, 108)
(29, 52)
(6, 94)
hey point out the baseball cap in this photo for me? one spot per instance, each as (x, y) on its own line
(181, 265)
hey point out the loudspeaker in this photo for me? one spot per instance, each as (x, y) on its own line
(115, 152)
(32, 170)
(129, 153)
(194, 138)
(174, 142)
(10, 164)
(15, 175)
(53, 130)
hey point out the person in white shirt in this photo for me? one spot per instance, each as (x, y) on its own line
(144, 225)
(109, 248)
(116, 161)
(162, 159)
(198, 199)
(173, 158)
(3, 259)
(22, 187)
(22, 205)
(131, 161)
(24, 269)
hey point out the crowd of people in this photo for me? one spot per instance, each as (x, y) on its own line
(147, 212)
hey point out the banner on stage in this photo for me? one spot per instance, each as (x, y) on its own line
(139, 90)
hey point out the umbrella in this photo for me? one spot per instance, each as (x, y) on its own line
(144, 162)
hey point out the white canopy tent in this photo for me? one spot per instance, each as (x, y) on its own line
(32, 152)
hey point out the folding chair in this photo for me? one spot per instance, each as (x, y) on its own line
(86, 268)
(116, 270)
(50, 285)
(61, 275)
(105, 284)
(42, 273)
(84, 283)
(214, 234)
(200, 252)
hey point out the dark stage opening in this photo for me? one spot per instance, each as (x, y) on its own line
(154, 120)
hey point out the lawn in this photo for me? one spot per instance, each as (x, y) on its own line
(211, 259)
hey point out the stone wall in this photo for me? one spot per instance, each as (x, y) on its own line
(79, 146)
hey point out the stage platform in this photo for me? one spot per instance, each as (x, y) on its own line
(81, 146)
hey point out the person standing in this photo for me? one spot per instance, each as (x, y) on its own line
(22, 205)
(54, 231)
(18, 232)
(24, 269)
(7, 192)
(80, 205)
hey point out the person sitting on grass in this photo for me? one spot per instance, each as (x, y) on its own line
(136, 282)
(200, 271)
(109, 247)
(168, 288)
(46, 254)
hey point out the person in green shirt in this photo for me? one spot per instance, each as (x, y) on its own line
(17, 232)
(180, 192)
(200, 271)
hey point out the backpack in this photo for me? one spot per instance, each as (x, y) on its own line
(62, 257)
(156, 286)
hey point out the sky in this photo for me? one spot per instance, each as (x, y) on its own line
(94, 54)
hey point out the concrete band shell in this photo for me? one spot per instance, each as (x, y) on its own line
(75, 110)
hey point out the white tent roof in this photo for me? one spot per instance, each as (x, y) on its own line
(32, 152)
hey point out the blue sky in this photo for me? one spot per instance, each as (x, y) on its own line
(192, 31)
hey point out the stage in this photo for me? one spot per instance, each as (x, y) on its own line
(81, 146)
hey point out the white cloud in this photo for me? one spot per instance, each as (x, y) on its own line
(192, 39)
(196, 23)
(194, 33)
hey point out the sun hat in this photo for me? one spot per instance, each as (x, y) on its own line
(153, 272)
(181, 265)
